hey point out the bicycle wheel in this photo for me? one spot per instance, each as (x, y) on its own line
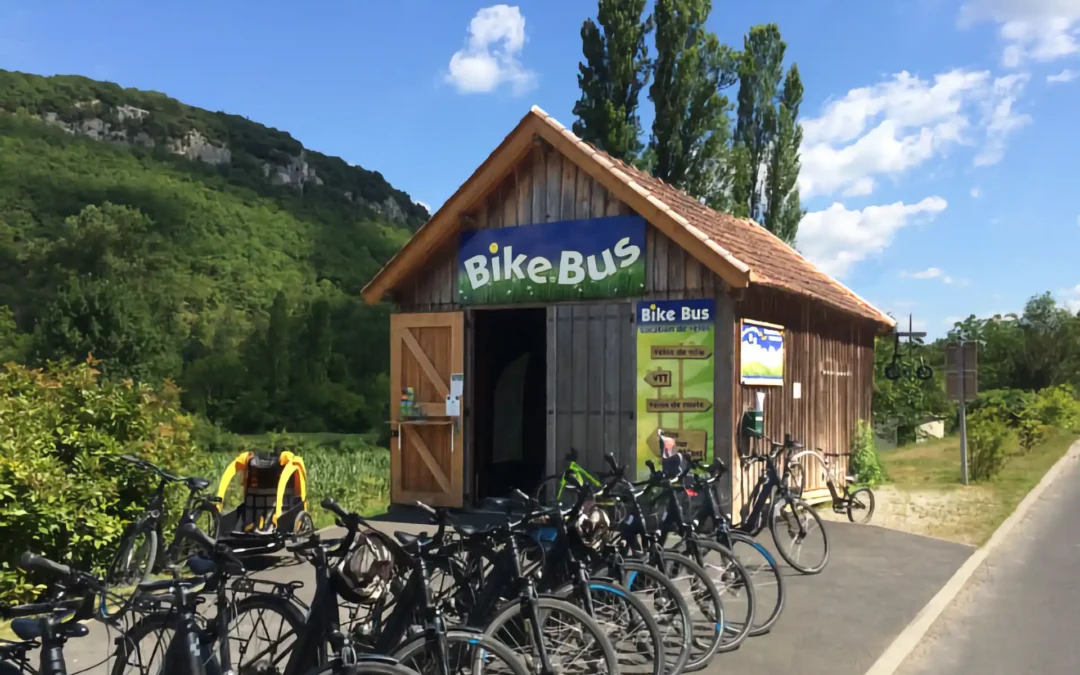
(796, 528)
(769, 592)
(860, 508)
(143, 647)
(796, 476)
(369, 666)
(732, 582)
(207, 519)
(706, 607)
(466, 652)
(547, 493)
(572, 640)
(629, 625)
(131, 565)
(668, 607)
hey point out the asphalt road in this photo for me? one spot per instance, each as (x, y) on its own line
(1021, 610)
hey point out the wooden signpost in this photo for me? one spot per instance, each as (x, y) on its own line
(693, 441)
(962, 385)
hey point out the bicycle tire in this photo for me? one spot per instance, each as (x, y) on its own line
(164, 620)
(779, 503)
(547, 489)
(366, 667)
(181, 549)
(766, 612)
(733, 578)
(588, 625)
(608, 590)
(128, 580)
(484, 641)
(708, 631)
(674, 613)
(867, 506)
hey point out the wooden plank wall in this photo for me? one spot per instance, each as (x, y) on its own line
(831, 354)
(544, 188)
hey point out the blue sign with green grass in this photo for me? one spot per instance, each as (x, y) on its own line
(551, 262)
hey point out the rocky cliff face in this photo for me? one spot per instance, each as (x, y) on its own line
(121, 124)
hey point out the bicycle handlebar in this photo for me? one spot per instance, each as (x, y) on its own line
(31, 562)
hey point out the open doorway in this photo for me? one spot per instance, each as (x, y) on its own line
(509, 400)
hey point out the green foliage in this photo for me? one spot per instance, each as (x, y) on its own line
(169, 268)
(989, 438)
(865, 463)
(63, 491)
(691, 132)
(768, 134)
(611, 79)
(909, 401)
(1057, 407)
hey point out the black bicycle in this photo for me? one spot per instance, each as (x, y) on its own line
(47, 626)
(792, 522)
(141, 551)
(709, 519)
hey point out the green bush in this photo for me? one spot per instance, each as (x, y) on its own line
(988, 439)
(1056, 407)
(865, 462)
(63, 491)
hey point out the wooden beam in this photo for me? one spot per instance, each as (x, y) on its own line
(425, 363)
(429, 459)
(444, 223)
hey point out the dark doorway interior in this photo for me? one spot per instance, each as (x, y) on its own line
(509, 400)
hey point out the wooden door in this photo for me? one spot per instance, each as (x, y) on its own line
(426, 457)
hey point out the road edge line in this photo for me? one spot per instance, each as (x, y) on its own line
(904, 643)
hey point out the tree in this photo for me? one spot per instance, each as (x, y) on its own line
(615, 71)
(277, 352)
(767, 135)
(690, 133)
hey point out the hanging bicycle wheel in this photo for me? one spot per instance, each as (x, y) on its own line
(799, 534)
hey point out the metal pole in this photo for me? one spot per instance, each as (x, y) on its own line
(963, 418)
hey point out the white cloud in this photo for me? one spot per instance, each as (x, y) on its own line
(837, 238)
(1032, 30)
(976, 192)
(1064, 76)
(490, 58)
(905, 121)
(1070, 297)
(929, 273)
(1001, 119)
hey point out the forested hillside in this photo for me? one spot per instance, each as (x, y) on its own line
(172, 242)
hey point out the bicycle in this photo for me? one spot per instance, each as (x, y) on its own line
(48, 625)
(140, 552)
(859, 501)
(309, 654)
(712, 521)
(772, 498)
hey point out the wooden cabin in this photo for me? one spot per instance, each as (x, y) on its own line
(562, 299)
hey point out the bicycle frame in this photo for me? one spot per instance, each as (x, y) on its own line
(830, 474)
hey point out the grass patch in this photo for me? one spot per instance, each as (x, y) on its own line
(926, 479)
(347, 467)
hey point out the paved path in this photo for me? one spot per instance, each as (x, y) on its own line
(839, 622)
(1020, 612)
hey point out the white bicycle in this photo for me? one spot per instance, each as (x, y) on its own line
(857, 503)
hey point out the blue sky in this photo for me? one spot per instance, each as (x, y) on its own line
(940, 160)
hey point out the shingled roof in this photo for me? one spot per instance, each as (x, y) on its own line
(740, 250)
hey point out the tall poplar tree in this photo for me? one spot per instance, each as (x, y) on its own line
(767, 135)
(690, 134)
(615, 71)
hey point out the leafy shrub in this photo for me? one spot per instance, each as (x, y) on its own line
(1056, 407)
(63, 490)
(1006, 404)
(865, 462)
(988, 439)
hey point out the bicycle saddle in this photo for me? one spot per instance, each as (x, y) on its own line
(30, 629)
(196, 484)
(411, 540)
(502, 504)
